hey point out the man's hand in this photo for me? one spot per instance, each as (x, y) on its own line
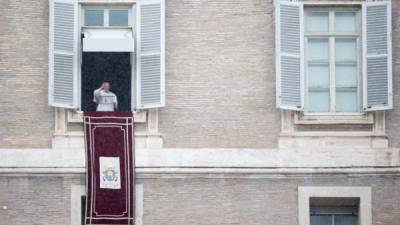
(102, 86)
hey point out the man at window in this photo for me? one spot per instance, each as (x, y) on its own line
(104, 98)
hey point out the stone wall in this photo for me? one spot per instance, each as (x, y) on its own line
(220, 75)
(196, 199)
(25, 118)
(393, 116)
(220, 78)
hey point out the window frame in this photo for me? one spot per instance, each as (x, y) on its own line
(106, 15)
(331, 35)
(363, 193)
(132, 26)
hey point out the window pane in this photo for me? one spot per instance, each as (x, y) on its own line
(346, 220)
(318, 101)
(318, 75)
(346, 75)
(345, 21)
(321, 220)
(94, 18)
(318, 49)
(346, 101)
(118, 18)
(318, 22)
(346, 49)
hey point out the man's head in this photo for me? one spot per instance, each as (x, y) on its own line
(106, 86)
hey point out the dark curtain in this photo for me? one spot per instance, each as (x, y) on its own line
(113, 67)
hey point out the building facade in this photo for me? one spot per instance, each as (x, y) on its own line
(268, 112)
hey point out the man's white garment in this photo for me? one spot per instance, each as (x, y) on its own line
(106, 100)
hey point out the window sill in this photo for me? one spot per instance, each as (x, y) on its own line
(77, 116)
(319, 119)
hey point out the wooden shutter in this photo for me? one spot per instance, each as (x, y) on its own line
(377, 56)
(63, 66)
(289, 55)
(150, 56)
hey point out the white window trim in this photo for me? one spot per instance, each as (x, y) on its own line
(331, 37)
(77, 191)
(363, 193)
(132, 25)
(106, 9)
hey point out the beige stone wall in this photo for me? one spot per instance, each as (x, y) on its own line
(220, 75)
(196, 199)
(25, 118)
(254, 201)
(220, 78)
(393, 116)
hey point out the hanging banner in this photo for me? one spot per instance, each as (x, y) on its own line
(110, 168)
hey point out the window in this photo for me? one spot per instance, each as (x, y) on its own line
(332, 40)
(106, 17)
(333, 58)
(334, 205)
(333, 215)
(142, 48)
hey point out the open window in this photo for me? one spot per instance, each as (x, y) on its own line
(333, 58)
(122, 44)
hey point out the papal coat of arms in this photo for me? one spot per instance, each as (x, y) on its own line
(110, 173)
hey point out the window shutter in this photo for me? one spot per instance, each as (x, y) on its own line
(63, 65)
(377, 56)
(150, 57)
(289, 55)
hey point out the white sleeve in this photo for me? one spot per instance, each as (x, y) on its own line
(96, 95)
(115, 101)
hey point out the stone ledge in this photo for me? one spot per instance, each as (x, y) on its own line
(211, 158)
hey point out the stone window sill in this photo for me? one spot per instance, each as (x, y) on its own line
(77, 116)
(310, 119)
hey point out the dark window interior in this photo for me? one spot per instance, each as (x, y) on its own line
(83, 209)
(114, 67)
(334, 211)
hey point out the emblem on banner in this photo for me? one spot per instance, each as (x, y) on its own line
(110, 173)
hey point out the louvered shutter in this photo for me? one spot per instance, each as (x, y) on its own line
(377, 56)
(63, 39)
(150, 62)
(289, 55)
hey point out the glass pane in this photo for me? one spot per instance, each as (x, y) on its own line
(94, 17)
(346, 101)
(321, 220)
(345, 21)
(318, 75)
(346, 220)
(318, 49)
(118, 18)
(318, 22)
(346, 49)
(346, 75)
(318, 101)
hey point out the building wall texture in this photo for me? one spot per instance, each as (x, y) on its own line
(220, 75)
(196, 200)
(25, 118)
(393, 116)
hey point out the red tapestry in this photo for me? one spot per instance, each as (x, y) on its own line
(110, 168)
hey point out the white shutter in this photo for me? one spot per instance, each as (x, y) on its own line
(63, 66)
(377, 56)
(289, 54)
(150, 56)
